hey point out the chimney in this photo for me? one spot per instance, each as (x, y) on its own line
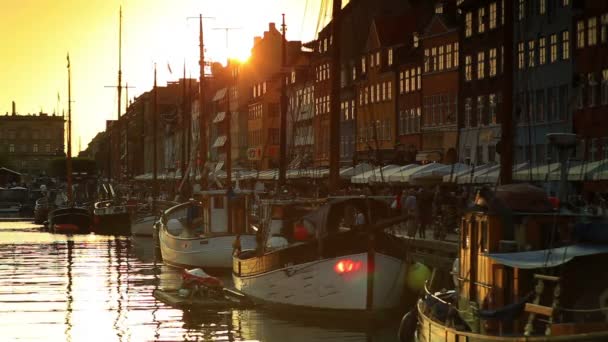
(256, 40)
(14, 110)
(271, 27)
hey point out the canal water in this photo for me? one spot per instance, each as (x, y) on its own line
(99, 288)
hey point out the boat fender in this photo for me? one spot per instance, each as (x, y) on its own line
(408, 325)
(603, 299)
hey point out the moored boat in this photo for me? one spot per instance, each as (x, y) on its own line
(143, 222)
(526, 272)
(70, 220)
(110, 217)
(193, 235)
(323, 259)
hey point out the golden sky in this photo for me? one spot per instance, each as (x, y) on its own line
(36, 35)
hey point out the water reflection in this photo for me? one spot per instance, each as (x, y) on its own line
(83, 288)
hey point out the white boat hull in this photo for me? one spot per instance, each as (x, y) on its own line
(317, 285)
(205, 252)
(143, 226)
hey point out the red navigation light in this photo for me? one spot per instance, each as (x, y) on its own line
(346, 266)
(300, 233)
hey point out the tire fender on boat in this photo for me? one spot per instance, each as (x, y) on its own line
(407, 327)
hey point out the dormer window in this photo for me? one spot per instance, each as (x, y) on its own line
(354, 72)
(439, 8)
(378, 58)
(293, 77)
(363, 65)
(390, 57)
(371, 60)
(416, 39)
(325, 45)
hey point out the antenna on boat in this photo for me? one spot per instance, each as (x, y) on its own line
(564, 142)
(283, 124)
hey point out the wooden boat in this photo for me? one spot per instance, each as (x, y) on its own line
(319, 259)
(111, 217)
(70, 220)
(526, 272)
(199, 291)
(196, 235)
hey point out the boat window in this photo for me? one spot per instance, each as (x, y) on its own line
(218, 203)
(483, 225)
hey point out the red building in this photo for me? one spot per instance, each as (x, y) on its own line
(590, 47)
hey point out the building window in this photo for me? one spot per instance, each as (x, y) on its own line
(492, 108)
(418, 79)
(441, 58)
(540, 105)
(390, 57)
(427, 60)
(11, 148)
(35, 148)
(531, 53)
(354, 73)
(521, 10)
(456, 54)
(542, 7)
(520, 56)
(592, 31)
(363, 65)
(481, 65)
(480, 110)
(389, 90)
(47, 148)
(378, 58)
(604, 87)
(502, 12)
(581, 91)
(468, 24)
(580, 34)
(401, 82)
(481, 25)
(492, 61)
(542, 51)
(468, 103)
(468, 68)
(565, 45)
(492, 22)
(593, 150)
(604, 28)
(448, 56)
(565, 3)
(553, 42)
(491, 153)
(434, 59)
(564, 104)
(593, 88)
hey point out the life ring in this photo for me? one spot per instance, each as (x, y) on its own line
(408, 325)
(603, 300)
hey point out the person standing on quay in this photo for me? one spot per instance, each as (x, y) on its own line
(411, 208)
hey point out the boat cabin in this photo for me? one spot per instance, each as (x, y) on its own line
(526, 268)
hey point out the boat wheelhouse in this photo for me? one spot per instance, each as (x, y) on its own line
(527, 271)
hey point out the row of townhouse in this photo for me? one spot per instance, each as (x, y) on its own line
(421, 81)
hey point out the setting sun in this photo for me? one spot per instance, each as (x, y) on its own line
(153, 31)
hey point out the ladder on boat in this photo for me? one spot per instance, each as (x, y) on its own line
(535, 308)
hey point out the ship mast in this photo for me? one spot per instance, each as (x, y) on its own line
(69, 152)
(334, 114)
(154, 143)
(119, 86)
(202, 123)
(506, 141)
(283, 127)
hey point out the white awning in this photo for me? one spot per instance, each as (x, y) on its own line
(437, 174)
(384, 173)
(351, 171)
(405, 175)
(219, 117)
(220, 141)
(363, 178)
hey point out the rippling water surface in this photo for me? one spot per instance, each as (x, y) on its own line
(99, 288)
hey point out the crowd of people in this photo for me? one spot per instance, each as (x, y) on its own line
(426, 208)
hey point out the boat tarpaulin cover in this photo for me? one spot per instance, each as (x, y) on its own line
(547, 257)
